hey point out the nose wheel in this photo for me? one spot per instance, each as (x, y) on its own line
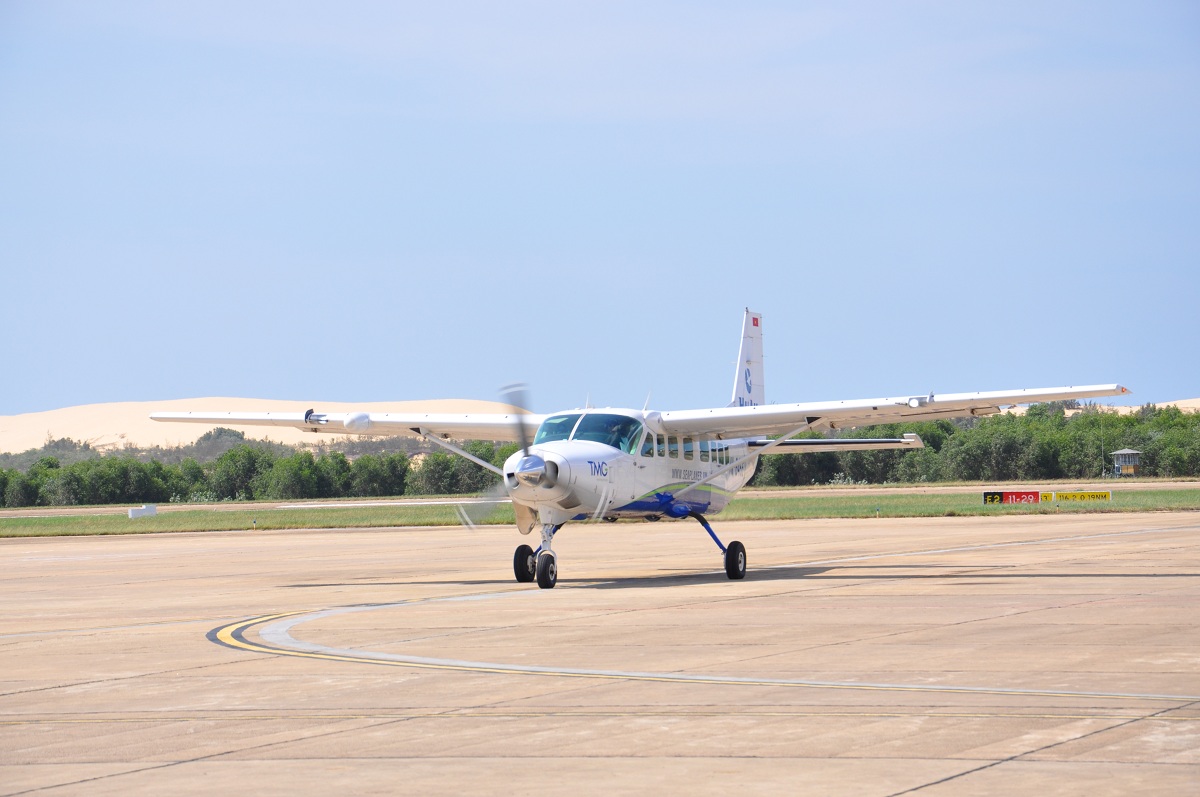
(524, 564)
(540, 565)
(543, 566)
(547, 570)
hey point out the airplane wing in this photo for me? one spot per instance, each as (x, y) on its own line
(460, 426)
(772, 419)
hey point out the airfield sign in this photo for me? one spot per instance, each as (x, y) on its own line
(1037, 497)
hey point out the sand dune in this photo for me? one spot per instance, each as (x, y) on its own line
(113, 426)
(1187, 405)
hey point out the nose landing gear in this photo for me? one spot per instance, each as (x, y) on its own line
(524, 564)
(547, 570)
(541, 564)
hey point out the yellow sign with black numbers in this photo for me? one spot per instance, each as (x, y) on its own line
(1092, 495)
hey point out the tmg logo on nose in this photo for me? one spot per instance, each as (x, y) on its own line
(598, 468)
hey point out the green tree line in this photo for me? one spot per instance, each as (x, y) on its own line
(1044, 443)
(246, 472)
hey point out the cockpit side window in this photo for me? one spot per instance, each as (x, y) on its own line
(618, 431)
(648, 445)
(556, 427)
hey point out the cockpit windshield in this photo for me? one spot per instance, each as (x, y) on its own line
(556, 427)
(618, 431)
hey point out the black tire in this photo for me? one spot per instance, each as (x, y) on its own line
(524, 565)
(735, 560)
(547, 570)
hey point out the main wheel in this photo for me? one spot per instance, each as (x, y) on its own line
(524, 565)
(735, 560)
(547, 570)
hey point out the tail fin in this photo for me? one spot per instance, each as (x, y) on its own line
(748, 378)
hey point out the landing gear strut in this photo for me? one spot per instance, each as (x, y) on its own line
(735, 552)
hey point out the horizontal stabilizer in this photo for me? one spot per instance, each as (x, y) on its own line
(817, 445)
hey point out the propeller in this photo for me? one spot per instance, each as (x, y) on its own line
(479, 511)
(532, 469)
(476, 512)
(517, 395)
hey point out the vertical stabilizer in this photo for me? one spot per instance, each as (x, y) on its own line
(748, 379)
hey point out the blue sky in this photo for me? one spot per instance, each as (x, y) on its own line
(394, 201)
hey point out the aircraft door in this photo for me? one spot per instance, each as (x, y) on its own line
(623, 475)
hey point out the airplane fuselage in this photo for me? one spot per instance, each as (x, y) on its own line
(615, 463)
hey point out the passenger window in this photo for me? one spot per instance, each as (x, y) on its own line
(704, 451)
(648, 445)
(673, 447)
(689, 448)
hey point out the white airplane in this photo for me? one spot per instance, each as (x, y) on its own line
(591, 464)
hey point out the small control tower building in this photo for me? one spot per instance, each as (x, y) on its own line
(1126, 462)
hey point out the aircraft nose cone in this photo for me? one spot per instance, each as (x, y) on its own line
(531, 470)
(534, 473)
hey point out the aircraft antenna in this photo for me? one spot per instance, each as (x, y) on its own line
(646, 406)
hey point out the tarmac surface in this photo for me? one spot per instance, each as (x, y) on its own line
(1035, 654)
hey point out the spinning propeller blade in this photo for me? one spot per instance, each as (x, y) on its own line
(517, 395)
(475, 513)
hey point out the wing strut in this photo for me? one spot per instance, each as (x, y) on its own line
(448, 445)
(747, 458)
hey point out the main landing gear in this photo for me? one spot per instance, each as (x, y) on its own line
(541, 564)
(735, 552)
(735, 560)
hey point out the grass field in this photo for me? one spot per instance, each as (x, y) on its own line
(864, 504)
(853, 504)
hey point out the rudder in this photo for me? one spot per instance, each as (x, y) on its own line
(748, 388)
